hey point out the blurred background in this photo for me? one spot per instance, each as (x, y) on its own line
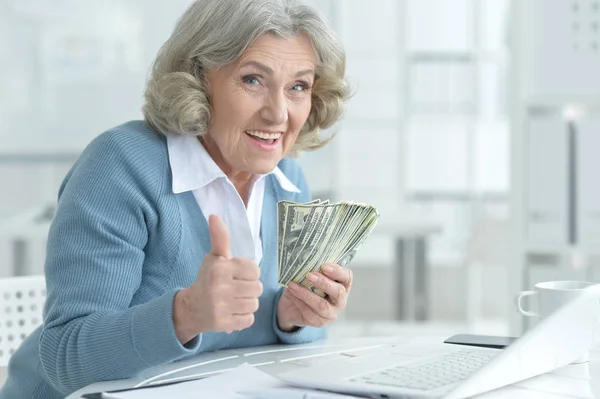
(474, 129)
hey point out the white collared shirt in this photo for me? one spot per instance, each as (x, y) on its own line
(194, 170)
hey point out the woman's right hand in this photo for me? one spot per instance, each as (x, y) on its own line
(225, 294)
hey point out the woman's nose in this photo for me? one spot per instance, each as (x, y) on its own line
(275, 110)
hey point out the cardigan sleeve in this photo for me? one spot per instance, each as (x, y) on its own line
(94, 262)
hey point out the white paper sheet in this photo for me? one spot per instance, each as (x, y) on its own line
(222, 386)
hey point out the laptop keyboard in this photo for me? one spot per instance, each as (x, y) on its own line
(429, 374)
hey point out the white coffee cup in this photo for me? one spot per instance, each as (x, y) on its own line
(552, 295)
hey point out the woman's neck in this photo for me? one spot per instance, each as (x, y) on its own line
(242, 181)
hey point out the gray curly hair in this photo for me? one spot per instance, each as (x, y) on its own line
(213, 33)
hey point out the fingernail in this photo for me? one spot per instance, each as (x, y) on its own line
(328, 268)
(293, 286)
(312, 277)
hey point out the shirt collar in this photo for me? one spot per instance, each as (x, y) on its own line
(192, 167)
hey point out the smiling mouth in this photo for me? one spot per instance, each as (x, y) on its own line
(267, 138)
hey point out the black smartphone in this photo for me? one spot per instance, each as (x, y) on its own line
(484, 341)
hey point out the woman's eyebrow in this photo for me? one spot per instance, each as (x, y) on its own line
(269, 71)
(305, 72)
(256, 64)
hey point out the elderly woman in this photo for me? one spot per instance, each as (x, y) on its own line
(164, 242)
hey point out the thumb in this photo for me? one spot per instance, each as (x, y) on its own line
(219, 237)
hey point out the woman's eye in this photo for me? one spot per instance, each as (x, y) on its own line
(252, 80)
(300, 87)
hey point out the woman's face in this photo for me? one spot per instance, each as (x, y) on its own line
(259, 104)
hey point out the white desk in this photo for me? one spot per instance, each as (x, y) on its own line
(574, 381)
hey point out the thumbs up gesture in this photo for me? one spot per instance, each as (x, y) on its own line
(225, 294)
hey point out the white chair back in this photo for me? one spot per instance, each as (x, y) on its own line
(21, 306)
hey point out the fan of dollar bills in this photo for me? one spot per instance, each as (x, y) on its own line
(312, 234)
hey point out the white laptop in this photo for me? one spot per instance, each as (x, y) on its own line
(454, 371)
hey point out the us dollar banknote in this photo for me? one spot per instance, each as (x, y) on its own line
(312, 234)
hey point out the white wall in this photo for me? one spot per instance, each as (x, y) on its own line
(64, 78)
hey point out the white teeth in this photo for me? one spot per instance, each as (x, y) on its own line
(262, 135)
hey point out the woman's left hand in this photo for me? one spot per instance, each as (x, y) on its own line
(300, 307)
